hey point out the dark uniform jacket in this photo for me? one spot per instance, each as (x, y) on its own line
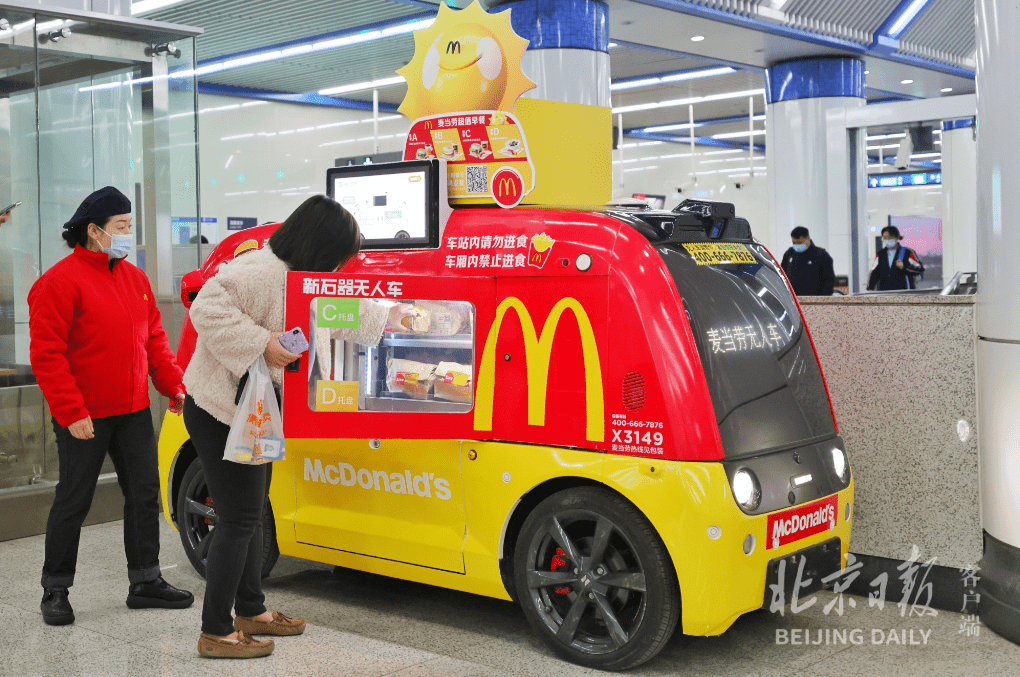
(886, 278)
(810, 272)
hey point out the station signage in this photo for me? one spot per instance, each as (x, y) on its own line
(904, 179)
(240, 222)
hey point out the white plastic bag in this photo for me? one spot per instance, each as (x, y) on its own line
(256, 434)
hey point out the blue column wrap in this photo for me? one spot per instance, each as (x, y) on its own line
(813, 78)
(559, 24)
(957, 124)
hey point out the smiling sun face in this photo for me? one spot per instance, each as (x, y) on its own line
(464, 65)
(467, 60)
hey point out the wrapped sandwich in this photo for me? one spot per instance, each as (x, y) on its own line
(452, 382)
(410, 377)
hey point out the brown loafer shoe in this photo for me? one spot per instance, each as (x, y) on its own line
(245, 646)
(280, 625)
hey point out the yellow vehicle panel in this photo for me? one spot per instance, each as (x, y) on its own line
(456, 542)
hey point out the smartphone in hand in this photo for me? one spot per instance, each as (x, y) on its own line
(9, 207)
(294, 340)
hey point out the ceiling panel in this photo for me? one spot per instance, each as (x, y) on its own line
(313, 72)
(855, 21)
(628, 62)
(239, 25)
(678, 114)
(731, 82)
(943, 32)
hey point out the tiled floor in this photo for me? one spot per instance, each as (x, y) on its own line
(365, 625)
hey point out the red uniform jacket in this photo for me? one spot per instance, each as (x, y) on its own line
(96, 336)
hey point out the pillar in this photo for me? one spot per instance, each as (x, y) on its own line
(998, 314)
(798, 95)
(959, 198)
(568, 48)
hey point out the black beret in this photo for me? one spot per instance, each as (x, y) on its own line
(104, 202)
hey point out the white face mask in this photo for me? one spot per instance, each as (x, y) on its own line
(888, 244)
(120, 245)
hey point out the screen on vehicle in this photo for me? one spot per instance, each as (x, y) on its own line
(387, 207)
(395, 204)
(762, 373)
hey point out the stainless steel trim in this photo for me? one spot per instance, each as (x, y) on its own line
(397, 340)
(26, 509)
(139, 29)
(401, 404)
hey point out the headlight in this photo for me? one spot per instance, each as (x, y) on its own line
(746, 490)
(839, 462)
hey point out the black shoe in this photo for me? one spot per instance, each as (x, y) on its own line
(56, 610)
(158, 594)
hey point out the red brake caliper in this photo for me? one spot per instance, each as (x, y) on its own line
(558, 561)
(208, 503)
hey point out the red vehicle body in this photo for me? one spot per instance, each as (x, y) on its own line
(638, 355)
(654, 359)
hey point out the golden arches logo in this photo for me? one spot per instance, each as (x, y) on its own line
(428, 124)
(506, 186)
(538, 350)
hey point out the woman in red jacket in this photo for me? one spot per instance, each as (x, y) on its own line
(96, 337)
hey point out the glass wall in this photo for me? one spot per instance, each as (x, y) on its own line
(84, 103)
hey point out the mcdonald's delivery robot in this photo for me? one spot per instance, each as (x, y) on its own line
(597, 414)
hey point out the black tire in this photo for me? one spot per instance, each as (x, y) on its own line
(621, 606)
(196, 520)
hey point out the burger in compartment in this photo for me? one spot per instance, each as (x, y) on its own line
(445, 319)
(409, 377)
(419, 322)
(452, 382)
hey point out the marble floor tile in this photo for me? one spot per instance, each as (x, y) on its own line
(450, 667)
(363, 624)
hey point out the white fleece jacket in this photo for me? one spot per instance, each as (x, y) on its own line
(234, 314)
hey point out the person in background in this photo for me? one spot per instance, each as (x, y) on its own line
(239, 316)
(896, 267)
(96, 336)
(808, 267)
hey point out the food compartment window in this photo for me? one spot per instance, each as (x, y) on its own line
(427, 367)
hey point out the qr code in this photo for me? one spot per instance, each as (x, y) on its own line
(477, 179)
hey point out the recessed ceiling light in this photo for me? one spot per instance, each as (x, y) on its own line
(947, 89)
(906, 82)
(697, 38)
(866, 72)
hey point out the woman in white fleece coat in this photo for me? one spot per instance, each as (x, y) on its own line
(238, 316)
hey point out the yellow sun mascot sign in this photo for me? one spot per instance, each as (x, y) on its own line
(463, 86)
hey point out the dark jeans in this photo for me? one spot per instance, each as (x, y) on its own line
(131, 442)
(233, 570)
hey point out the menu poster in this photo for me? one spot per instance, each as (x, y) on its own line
(476, 146)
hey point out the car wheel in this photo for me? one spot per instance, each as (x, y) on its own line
(196, 522)
(595, 580)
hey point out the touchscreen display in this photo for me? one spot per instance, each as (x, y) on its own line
(387, 206)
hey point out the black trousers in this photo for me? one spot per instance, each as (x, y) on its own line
(233, 570)
(131, 443)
